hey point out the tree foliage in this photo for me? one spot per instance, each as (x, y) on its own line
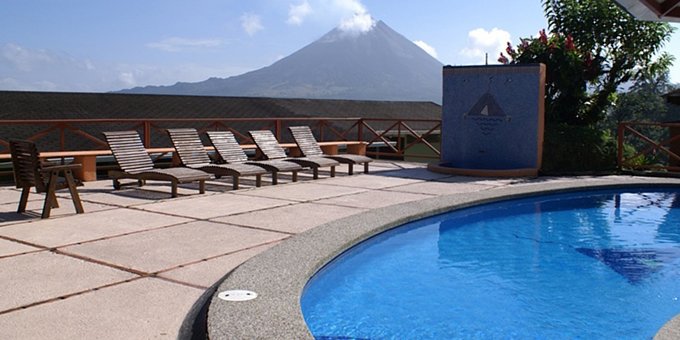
(594, 47)
(643, 101)
(568, 73)
(626, 46)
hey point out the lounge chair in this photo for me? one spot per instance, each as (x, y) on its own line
(270, 148)
(135, 163)
(229, 151)
(304, 138)
(192, 154)
(30, 172)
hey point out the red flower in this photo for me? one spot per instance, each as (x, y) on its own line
(569, 44)
(525, 44)
(542, 37)
(509, 49)
(503, 59)
(588, 59)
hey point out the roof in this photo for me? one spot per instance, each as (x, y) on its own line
(653, 10)
(673, 97)
(69, 105)
(19, 105)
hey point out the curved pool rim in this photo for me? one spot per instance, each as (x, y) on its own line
(280, 274)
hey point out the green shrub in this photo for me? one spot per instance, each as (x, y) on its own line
(574, 149)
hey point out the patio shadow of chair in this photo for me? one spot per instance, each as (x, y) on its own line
(14, 217)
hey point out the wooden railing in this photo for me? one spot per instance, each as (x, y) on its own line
(649, 146)
(385, 137)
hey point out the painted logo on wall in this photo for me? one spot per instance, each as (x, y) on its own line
(487, 114)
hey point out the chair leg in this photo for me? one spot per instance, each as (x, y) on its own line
(235, 181)
(275, 177)
(333, 171)
(50, 197)
(350, 168)
(68, 174)
(24, 199)
(258, 180)
(366, 167)
(295, 176)
(201, 187)
(174, 189)
(315, 173)
(116, 184)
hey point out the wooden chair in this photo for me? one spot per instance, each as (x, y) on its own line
(135, 163)
(229, 151)
(29, 172)
(266, 142)
(309, 147)
(192, 154)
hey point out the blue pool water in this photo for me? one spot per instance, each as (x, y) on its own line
(596, 264)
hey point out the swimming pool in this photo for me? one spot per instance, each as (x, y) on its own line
(587, 264)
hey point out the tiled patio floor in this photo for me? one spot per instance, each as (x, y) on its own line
(132, 266)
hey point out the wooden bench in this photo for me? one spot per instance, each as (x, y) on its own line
(88, 158)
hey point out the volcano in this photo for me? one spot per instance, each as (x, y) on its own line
(379, 64)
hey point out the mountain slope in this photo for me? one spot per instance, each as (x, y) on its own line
(377, 65)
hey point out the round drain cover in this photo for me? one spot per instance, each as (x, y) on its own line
(237, 295)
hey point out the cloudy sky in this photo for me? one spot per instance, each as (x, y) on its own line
(93, 46)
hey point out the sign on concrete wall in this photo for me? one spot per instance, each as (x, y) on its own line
(492, 118)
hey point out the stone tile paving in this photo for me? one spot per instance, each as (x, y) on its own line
(374, 199)
(209, 271)
(8, 248)
(291, 219)
(145, 308)
(301, 192)
(32, 277)
(56, 232)
(165, 248)
(132, 266)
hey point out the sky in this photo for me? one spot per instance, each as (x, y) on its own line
(99, 46)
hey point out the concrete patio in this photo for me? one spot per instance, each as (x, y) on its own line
(133, 265)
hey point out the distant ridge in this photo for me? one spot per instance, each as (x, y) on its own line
(380, 64)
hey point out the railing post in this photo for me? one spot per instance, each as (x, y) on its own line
(147, 134)
(277, 130)
(62, 138)
(360, 129)
(619, 151)
(321, 125)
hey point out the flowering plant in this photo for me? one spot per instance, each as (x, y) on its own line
(569, 71)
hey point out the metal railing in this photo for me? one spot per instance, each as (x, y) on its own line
(384, 136)
(649, 146)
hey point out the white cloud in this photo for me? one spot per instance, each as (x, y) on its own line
(358, 23)
(24, 59)
(356, 18)
(251, 23)
(426, 47)
(176, 44)
(127, 78)
(482, 41)
(25, 69)
(297, 13)
(349, 15)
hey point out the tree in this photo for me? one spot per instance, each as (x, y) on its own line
(643, 101)
(593, 47)
(613, 48)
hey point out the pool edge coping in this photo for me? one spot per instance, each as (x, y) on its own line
(280, 274)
